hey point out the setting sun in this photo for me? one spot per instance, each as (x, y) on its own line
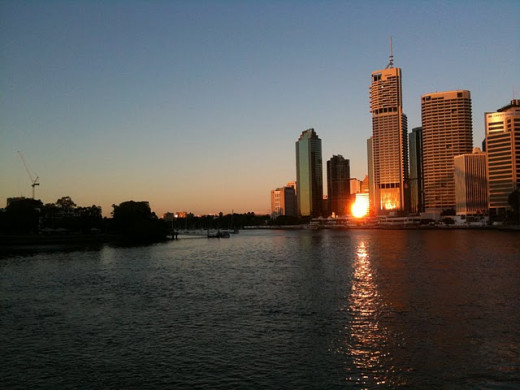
(360, 207)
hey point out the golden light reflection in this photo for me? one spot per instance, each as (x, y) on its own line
(366, 337)
(390, 198)
(361, 205)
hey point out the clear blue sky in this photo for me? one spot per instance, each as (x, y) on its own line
(196, 105)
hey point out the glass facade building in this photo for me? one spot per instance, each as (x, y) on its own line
(309, 174)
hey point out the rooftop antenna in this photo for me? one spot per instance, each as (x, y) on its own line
(391, 63)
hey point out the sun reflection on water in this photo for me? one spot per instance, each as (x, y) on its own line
(366, 337)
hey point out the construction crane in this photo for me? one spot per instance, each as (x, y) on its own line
(34, 181)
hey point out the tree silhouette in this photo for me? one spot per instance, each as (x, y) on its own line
(22, 216)
(137, 223)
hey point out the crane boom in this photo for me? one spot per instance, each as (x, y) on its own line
(34, 181)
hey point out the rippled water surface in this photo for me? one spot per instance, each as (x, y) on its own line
(267, 309)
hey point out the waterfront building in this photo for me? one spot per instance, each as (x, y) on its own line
(355, 186)
(416, 171)
(471, 183)
(338, 185)
(365, 185)
(283, 202)
(309, 174)
(325, 206)
(446, 133)
(503, 156)
(389, 143)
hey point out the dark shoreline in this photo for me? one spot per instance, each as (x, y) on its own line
(23, 241)
(508, 228)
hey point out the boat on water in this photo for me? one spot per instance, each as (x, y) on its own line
(219, 234)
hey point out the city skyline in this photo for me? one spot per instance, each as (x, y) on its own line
(195, 106)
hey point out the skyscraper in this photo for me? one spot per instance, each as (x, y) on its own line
(446, 133)
(338, 185)
(503, 152)
(416, 170)
(470, 183)
(309, 174)
(389, 140)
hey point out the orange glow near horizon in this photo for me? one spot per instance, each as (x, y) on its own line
(360, 207)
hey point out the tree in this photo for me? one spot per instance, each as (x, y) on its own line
(137, 223)
(66, 203)
(22, 216)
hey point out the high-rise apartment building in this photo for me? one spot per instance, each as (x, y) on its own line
(470, 183)
(309, 174)
(503, 155)
(338, 185)
(283, 201)
(389, 140)
(416, 171)
(446, 132)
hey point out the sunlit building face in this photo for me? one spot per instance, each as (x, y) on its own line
(503, 152)
(389, 140)
(446, 133)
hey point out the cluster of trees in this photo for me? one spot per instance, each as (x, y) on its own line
(31, 216)
(131, 221)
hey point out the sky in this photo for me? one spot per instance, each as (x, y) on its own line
(197, 105)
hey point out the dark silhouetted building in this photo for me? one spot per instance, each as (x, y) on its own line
(338, 185)
(416, 171)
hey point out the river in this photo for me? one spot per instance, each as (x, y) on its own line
(267, 310)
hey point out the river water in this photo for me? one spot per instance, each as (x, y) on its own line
(267, 310)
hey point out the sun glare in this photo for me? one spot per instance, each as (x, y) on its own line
(360, 207)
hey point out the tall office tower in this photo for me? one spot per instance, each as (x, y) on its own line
(389, 140)
(338, 185)
(470, 183)
(309, 174)
(416, 170)
(503, 156)
(283, 202)
(446, 133)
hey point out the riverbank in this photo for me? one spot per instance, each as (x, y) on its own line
(386, 227)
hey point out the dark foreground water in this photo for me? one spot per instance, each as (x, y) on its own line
(267, 310)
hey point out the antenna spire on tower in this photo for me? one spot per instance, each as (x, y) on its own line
(391, 63)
